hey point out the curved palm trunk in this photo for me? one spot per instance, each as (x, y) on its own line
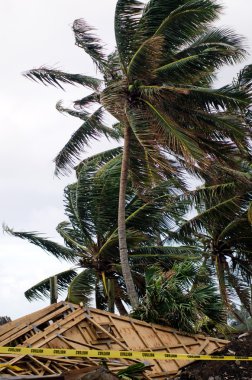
(120, 306)
(122, 225)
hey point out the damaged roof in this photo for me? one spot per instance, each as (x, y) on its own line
(68, 326)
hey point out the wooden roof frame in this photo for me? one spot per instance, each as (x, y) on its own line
(65, 325)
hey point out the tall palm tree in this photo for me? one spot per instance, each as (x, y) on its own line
(91, 234)
(221, 229)
(157, 85)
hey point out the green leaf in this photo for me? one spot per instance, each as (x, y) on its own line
(127, 16)
(82, 287)
(99, 159)
(83, 115)
(146, 60)
(156, 13)
(177, 139)
(82, 224)
(54, 77)
(159, 252)
(90, 43)
(92, 128)
(87, 101)
(49, 246)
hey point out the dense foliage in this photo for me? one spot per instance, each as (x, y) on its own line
(182, 298)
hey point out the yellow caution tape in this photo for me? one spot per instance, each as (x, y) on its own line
(9, 366)
(114, 354)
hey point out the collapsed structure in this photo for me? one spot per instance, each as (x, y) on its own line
(68, 326)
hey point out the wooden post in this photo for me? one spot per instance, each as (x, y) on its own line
(53, 289)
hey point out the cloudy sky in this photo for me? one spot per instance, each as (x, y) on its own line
(35, 33)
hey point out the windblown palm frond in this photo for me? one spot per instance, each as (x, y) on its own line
(87, 101)
(82, 287)
(160, 14)
(81, 114)
(99, 159)
(127, 16)
(92, 128)
(54, 77)
(57, 250)
(90, 43)
(244, 77)
(42, 289)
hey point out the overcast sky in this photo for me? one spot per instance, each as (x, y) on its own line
(35, 33)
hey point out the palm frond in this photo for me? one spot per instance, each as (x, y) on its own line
(205, 215)
(82, 287)
(73, 238)
(4, 320)
(115, 71)
(54, 77)
(187, 20)
(127, 16)
(146, 60)
(220, 99)
(226, 97)
(197, 61)
(171, 299)
(172, 253)
(99, 159)
(227, 45)
(90, 43)
(209, 303)
(92, 128)
(244, 78)
(97, 192)
(232, 225)
(148, 166)
(82, 224)
(100, 298)
(42, 289)
(180, 142)
(87, 101)
(134, 238)
(157, 12)
(200, 63)
(241, 288)
(83, 115)
(133, 371)
(57, 250)
(155, 163)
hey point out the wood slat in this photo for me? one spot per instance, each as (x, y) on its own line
(24, 327)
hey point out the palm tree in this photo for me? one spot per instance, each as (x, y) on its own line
(157, 85)
(221, 230)
(91, 234)
(178, 299)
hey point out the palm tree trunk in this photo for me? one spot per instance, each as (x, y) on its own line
(111, 295)
(120, 306)
(122, 225)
